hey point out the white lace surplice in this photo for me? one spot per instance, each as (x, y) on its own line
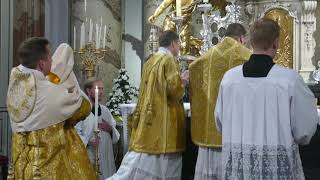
(262, 121)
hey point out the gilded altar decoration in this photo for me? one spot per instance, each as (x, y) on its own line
(90, 58)
(284, 55)
(21, 106)
(190, 45)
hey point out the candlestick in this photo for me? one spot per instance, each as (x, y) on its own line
(104, 36)
(82, 38)
(90, 30)
(96, 91)
(85, 6)
(74, 37)
(178, 7)
(97, 35)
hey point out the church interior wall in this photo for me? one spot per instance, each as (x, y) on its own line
(316, 35)
(110, 13)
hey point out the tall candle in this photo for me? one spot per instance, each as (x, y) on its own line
(90, 30)
(74, 37)
(85, 6)
(178, 7)
(96, 92)
(104, 36)
(97, 35)
(82, 38)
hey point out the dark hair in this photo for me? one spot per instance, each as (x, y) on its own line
(89, 84)
(235, 30)
(167, 37)
(32, 50)
(263, 33)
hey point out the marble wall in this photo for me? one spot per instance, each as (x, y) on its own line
(316, 35)
(28, 21)
(110, 12)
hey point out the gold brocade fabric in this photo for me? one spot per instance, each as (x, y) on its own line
(158, 123)
(206, 74)
(57, 151)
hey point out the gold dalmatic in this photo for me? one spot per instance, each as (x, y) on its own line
(158, 123)
(206, 74)
(55, 152)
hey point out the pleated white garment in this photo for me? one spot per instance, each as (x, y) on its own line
(209, 164)
(141, 166)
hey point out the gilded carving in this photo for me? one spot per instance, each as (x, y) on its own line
(285, 53)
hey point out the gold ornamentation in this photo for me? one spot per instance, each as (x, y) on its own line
(21, 95)
(190, 45)
(284, 55)
(90, 58)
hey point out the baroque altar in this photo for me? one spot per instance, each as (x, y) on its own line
(298, 23)
(295, 17)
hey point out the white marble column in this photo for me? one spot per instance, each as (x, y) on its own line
(57, 22)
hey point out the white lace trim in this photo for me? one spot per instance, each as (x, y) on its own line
(243, 162)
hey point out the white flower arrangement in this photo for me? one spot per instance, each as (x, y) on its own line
(122, 93)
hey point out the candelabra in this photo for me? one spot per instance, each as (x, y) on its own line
(90, 57)
(206, 33)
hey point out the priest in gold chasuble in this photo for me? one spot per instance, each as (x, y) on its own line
(45, 144)
(205, 76)
(158, 123)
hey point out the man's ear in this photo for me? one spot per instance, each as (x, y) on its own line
(276, 44)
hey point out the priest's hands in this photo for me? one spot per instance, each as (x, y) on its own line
(104, 126)
(185, 77)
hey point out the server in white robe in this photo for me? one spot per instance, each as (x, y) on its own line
(264, 111)
(108, 133)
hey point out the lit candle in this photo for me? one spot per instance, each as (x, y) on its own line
(82, 38)
(74, 37)
(104, 36)
(96, 92)
(178, 7)
(90, 30)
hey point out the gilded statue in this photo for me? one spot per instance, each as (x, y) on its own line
(190, 45)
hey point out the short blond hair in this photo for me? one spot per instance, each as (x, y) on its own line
(89, 83)
(263, 33)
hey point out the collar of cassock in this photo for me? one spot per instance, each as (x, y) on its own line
(259, 65)
(99, 110)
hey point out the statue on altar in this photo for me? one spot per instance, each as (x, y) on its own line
(190, 45)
